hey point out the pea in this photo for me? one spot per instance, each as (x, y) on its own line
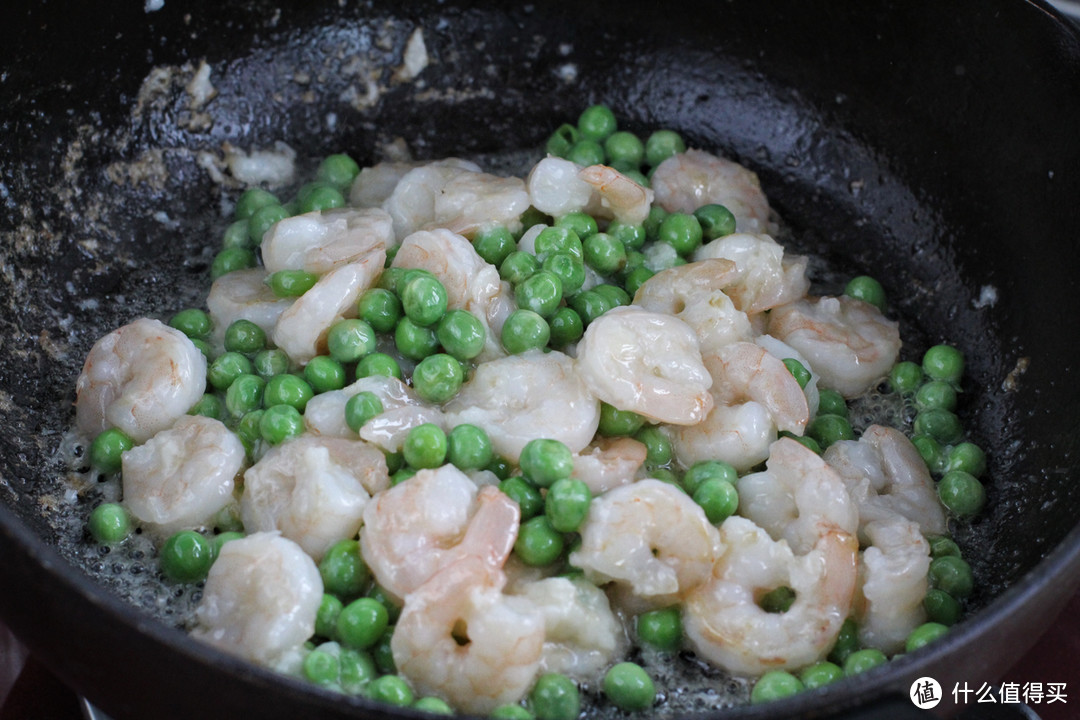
(941, 607)
(613, 294)
(287, 390)
(361, 623)
(582, 223)
(847, 642)
(382, 653)
(906, 377)
(230, 260)
(566, 327)
(349, 340)
(251, 200)
(624, 149)
(636, 278)
(357, 669)
(326, 617)
(952, 575)
(392, 690)
(210, 406)
(716, 221)
(775, 685)
(236, 235)
(291, 283)
(629, 687)
(924, 635)
(461, 334)
(338, 170)
(524, 330)
(658, 448)
(437, 378)
(468, 447)
(494, 243)
(203, 347)
(244, 336)
(362, 407)
(567, 503)
(278, 423)
(942, 425)
(425, 446)
(517, 266)
(415, 341)
(378, 364)
(941, 545)
(820, 674)
(681, 231)
(805, 441)
(433, 705)
(798, 371)
(543, 461)
(862, 660)
(562, 140)
(263, 219)
(244, 395)
(424, 300)
(966, 457)
(661, 145)
(511, 711)
(590, 305)
(248, 430)
(944, 362)
(109, 523)
(700, 472)
(604, 253)
(186, 557)
(538, 543)
(193, 322)
(661, 629)
(320, 667)
(933, 454)
(555, 697)
(831, 402)
(541, 293)
(270, 362)
(631, 236)
(525, 494)
(343, 571)
(226, 368)
(616, 422)
(108, 448)
(718, 498)
(935, 394)
(828, 429)
(652, 222)
(380, 308)
(569, 270)
(867, 289)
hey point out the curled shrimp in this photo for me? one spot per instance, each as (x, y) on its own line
(686, 181)
(609, 463)
(411, 204)
(527, 396)
(650, 536)
(243, 295)
(178, 479)
(313, 490)
(765, 276)
(616, 196)
(796, 497)
(374, 184)
(893, 584)
(325, 413)
(260, 599)
(471, 200)
(461, 638)
(301, 330)
(848, 342)
(887, 477)
(432, 519)
(556, 188)
(140, 378)
(646, 362)
(320, 241)
(724, 623)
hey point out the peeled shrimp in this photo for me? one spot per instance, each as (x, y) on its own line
(797, 497)
(616, 196)
(582, 636)
(848, 342)
(313, 490)
(432, 519)
(555, 187)
(140, 378)
(469, 201)
(764, 275)
(325, 413)
(523, 397)
(301, 329)
(887, 477)
(650, 536)
(646, 362)
(460, 638)
(781, 350)
(179, 478)
(243, 295)
(374, 184)
(412, 202)
(686, 181)
(609, 463)
(893, 584)
(260, 599)
(318, 241)
(724, 623)
(558, 187)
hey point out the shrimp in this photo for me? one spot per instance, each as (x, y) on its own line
(321, 241)
(650, 536)
(764, 276)
(609, 463)
(325, 413)
(893, 584)
(469, 201)
(754, 394)
(374, 184)
(848, 342)
(724, 623)
(412, 202)
(460, 638)
(140, 378)
(582, 636)
(558, 187)
(646, 362)
(523, 397)
(260, 599)
(796, 497)
(616, 196)
(243, 295)
(389, 428)
(686, 181)
(432, 519)
(694, 293)
(301, 329)
(179, 478)
(313, 490)
(783, 351)
(887, 477)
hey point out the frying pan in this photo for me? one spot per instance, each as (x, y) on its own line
(931, 144)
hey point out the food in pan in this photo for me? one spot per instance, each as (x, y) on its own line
(502, 445)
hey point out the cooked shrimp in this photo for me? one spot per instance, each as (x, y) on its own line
(412, 202)
(140, 378)
(318, 241)
(780, 349)
(389, 428)
(646, 362)
(609, 463)
(313, 490)
(301, 329)
(797, 497)
(556, 188)
(582, 636)
(179, 478)
(764, 275)
(893, 574)
(686, 181)
(374, 184)
(848, 342)
(260, 599)
(724, 623)
(243, 295)
(616, 196)
(460, 638)
(469, 201)
(325, 413)
(523, 397)
(887, 477)
(737, 434)
(650, 536)
(432, 519)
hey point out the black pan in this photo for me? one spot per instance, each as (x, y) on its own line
(931, 144)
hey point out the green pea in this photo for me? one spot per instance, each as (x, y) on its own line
(560, 141)
(378, 364)
(517, 266)
(362, 407)
(538, 543)
(775, 685)
(867, 289)
(244, 336)
(862, 660)
(263, 219)
(682, 231)
(629, 687)
(942, 545)
(433, 705)
(287, 390)
(636, 278)
(933, 454)
(226, 368)
(616, 422)
(952, 575)
(424, 300)
(249, 430)
(382, 653)
(414, 341)
(831, 402)
(525, 494)
(941, 607)
(245, 395)
(924, 635)
(203, 347)
(652, 222)
(935, 395)
(582, 223)
(586, 152)
(668, 476)
(555, 697)
(718, 498)
(107, 449)
(967, 457)
(343, 571)
(604, 253)
(590, 305)
(524, 330)
(944, 362)
(361, 623)
(828, 429)
(777, 600)
(567, 503)
(320, 667)
(230, 260)
(338, 170)
(357, 669)
(624, 149)
(270, 362)
(109, 523)
(511, 711)
(392, 690)
(349, 340)
(661, 145)
(906, 377)
(379, 308)
(631, 236)
(569, 270)
(278, 423)
(544, 460)
(658, 448)
(437, 378)
(566, 327)
(323, 373)
(613, 294)
(700, 472)
(661, 629)
(716, 221)
(961, 493)
(494, 243)
(805, 441)
(236, 235)
(321, 197)
(401, 475)
(468, 447)
(541, 293)
(186, 557)
(847, 642)
(193, 322)
(798, 371)
(210, 406)
(942, 425)
(291, 283)
(326, 617)
(251, 200)
(461, 334)
(820, 674)
(425, 446)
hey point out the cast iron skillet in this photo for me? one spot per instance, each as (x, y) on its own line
(932, 144)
